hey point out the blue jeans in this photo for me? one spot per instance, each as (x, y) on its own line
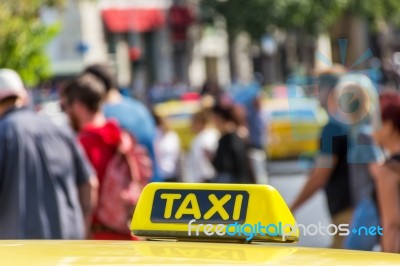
(366, 215)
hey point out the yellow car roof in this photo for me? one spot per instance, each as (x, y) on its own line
(64, 253)
(167, 210)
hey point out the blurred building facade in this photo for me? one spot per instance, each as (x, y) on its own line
(147, 42)
(80, 41)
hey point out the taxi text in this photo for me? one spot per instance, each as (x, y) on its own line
(181, 206)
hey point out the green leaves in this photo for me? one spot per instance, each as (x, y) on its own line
(311, 16)
(23, 39)
(251, 15)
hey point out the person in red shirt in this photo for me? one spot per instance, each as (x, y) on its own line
(82, 99)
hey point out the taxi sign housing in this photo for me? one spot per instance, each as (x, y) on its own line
(206, 211)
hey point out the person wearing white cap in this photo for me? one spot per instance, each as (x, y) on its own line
(12, 92)
(46, 185)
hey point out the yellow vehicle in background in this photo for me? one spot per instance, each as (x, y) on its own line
(179, 115)
(186, 224)
(293, 127)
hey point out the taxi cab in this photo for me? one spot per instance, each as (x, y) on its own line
(179, 115)
(293, 126)
(187, 224)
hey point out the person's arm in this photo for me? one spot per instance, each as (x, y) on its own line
(209, 155)
(201, 163)
(87, 183)
(316, 180)
(88, 197)
(219, 155)
(387, 186)
(176, 148)
(8, 153)
(3, 162)
(170, 155)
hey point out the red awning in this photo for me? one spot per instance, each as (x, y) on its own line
(131, 19)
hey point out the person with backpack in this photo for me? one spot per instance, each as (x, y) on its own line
(130, 113)
(122, 166)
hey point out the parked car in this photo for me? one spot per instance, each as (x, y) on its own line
(293, 127)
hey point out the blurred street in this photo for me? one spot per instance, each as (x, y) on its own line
(288, 178)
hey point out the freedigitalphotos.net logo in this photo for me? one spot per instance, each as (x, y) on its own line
(250, 231)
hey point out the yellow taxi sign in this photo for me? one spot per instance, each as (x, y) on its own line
(229, 212)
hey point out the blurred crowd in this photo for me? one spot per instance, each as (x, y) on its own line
(358, 163)
(74, 182)
(54, 182)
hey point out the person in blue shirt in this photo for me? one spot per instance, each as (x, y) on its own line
(331, 171)
(363, 117)
(131, 114)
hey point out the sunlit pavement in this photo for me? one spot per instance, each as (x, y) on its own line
(288, 177)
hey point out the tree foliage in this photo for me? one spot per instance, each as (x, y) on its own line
(311, 16)
(23, 38)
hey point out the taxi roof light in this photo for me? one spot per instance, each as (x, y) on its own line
(213, 212)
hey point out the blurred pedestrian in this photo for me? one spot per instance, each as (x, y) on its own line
(205, 143)
(47, 188)
(250, 97)
(240, 113)
(253, 126)
(257, 124)
(82, 100)
(231, 160)
(211, 88)
(131, 114)
(387, 175)
(168, 150)
(331, 170)
(363, 154)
